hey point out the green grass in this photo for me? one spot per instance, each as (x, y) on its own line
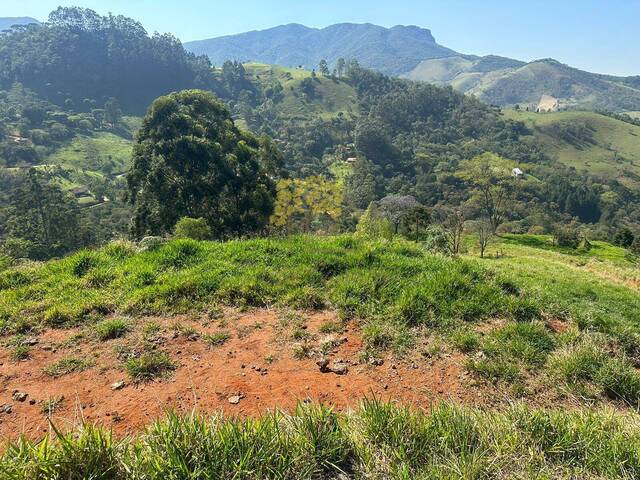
(149, 365)
(375, 441)
(67, 365)
(216, 339)
(112, 329)
(92, 153)
(609, 136)
(332, 96)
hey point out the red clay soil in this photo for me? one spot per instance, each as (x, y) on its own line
(257, 363)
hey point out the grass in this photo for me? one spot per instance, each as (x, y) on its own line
(67, 365)
(94, 152)
(149, 365)
(112, 329)
(216, 339)
(377, 440)
(50, 405)
(609, 136)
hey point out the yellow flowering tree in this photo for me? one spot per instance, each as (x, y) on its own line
(307, 199)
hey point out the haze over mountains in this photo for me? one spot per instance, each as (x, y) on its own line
(8, 22)
(413, 52)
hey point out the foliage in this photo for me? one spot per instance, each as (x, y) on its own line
(311, 198)
(194, 228)
(190, 160)
(377, 440)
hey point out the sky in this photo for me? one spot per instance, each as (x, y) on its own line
(600, 36)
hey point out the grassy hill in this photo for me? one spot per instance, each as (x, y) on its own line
(555, 330)
(330, 98)
(585, 140)
(509, 82)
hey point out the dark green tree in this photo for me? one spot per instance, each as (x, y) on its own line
(190, 160)
(324, 68)
(44, 216)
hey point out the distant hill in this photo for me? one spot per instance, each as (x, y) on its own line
(412, 52)
(393, 51)
(599, 144)
(503, 81)
(8, 22)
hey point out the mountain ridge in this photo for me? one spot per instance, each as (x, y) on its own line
(391, 50)
(8, 22)
(412, 52)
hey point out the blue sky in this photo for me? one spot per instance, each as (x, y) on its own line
(596, 35)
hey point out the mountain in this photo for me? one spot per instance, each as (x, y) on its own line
(502, 81)
(412, 52)
(393, 51)
(8, 22)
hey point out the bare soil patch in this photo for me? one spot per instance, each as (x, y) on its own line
(269, 361)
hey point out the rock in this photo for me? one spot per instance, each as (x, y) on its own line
(30, 341)
(118, 385)
(7, 408)
(47, 348)
(376, 362)
(235, 399)
(193, 337)
(20, 396)
(339, 367)
(32, 402)
(323, 365)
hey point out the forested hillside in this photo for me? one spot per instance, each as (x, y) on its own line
(371, 135)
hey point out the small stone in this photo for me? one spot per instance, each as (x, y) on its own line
(7, 408)
(235, 399)
(339, 367)
(117, 385)
(376, 362)
(32, 402)
(385, 386)
(47, 348)
(20, 396)
(193, 337)
(30, 341)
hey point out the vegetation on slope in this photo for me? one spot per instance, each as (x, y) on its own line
(376, 441)
(398, 290)
(588, 141)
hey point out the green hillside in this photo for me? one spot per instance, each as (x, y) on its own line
(507, 82)
(553, 331)
(326, 98)
(585, 140)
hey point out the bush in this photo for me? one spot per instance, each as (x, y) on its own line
(623, 238)
(566, 236)
(536, 230)
(372, 225)
(194, 228)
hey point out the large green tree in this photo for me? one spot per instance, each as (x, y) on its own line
(190, 160)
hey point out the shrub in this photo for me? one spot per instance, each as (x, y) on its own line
(149, 365)
(193, 228)
(566, 236)
(372, 225)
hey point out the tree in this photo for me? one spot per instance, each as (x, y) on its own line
(194, 228)
(623, 238)
(396, 208)
(341, 66)
(324, 68)
(452, 224)
(490, 175)
(44, 216)
(190, 160)
(483, 230)
(309, 198)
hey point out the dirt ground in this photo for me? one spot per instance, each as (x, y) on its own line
(257, 364)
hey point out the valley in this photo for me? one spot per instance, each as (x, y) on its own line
(312, 253)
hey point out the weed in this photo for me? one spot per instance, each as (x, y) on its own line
(216, 339)
(149, 365)
(68, 365)
(112, 329)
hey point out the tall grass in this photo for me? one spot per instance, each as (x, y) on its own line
(378, 440)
